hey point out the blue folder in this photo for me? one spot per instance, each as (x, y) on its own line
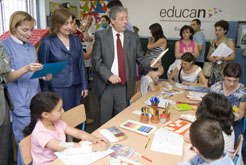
(53, 68)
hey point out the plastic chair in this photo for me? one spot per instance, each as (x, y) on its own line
(135, 97)
(75, 116)
(237, 155)
(25, 150)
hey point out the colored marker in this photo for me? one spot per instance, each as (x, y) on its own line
(144, 157)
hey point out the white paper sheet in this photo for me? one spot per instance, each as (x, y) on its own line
(86, 158)
(167, 142)
(222, 51)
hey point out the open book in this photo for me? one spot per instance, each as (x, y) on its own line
(159, 57)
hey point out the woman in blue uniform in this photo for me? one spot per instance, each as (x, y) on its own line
(23, 58)
(60, 45)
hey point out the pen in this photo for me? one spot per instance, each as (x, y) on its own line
(143, 156)
(146, 144)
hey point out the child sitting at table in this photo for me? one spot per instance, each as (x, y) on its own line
(207, 145)
(187, 72)
(147, 81)
(48, 131)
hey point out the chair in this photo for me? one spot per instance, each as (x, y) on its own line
(237, 155)
(75, 116)
(25, 150)
(135, 97)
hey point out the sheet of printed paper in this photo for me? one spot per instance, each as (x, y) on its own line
(177, 126)
(167, 142)
(222, 51)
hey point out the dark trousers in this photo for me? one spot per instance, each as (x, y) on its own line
(112, 101)
(71, 96)
(4, 140)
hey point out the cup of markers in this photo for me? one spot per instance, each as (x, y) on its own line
(154, 110)
(144, 115)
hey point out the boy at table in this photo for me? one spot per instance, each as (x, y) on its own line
(207, 145)
(147, 81)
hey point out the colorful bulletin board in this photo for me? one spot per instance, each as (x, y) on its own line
(53, 6)
(96, 8)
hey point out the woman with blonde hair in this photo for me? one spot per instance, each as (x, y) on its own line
(23, 63)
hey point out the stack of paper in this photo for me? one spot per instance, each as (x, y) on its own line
(195, 95)
(167, 142)
(192, 88)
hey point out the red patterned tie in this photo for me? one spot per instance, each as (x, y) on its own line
(121, 60)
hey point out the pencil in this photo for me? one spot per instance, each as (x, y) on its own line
(146, 145)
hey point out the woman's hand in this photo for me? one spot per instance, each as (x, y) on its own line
(48, 77)
(150, 39)
(215, 59)
(33, 67)
(84, 93)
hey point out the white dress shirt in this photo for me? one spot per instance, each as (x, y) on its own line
(114, 68)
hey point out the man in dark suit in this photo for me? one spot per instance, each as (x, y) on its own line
(113, 86)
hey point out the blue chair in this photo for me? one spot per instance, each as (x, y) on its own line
(237, 155)
(135, 97)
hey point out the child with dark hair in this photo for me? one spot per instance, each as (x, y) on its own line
(207, 145)
(147, 81)
(187, 72)
(48, 131)
(217, 107)
(235, 92)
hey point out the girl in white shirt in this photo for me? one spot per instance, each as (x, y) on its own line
(188, 73)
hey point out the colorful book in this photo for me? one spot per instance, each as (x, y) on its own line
(113, 134)
(177, 126)
(137, 127)
(121, 150)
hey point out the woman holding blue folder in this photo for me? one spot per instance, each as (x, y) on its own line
(23, 61)
(60, 46)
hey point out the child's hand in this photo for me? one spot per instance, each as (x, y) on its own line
(172, 82)
(188, 152)
(187, 137)
(100, 140)
(100, 146)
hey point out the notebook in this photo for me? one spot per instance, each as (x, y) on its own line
(183, 107)
(121, 150)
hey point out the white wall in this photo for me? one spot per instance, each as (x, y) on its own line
(143, 13)
(44, 6)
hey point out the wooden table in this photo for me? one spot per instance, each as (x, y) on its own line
(137, 141)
